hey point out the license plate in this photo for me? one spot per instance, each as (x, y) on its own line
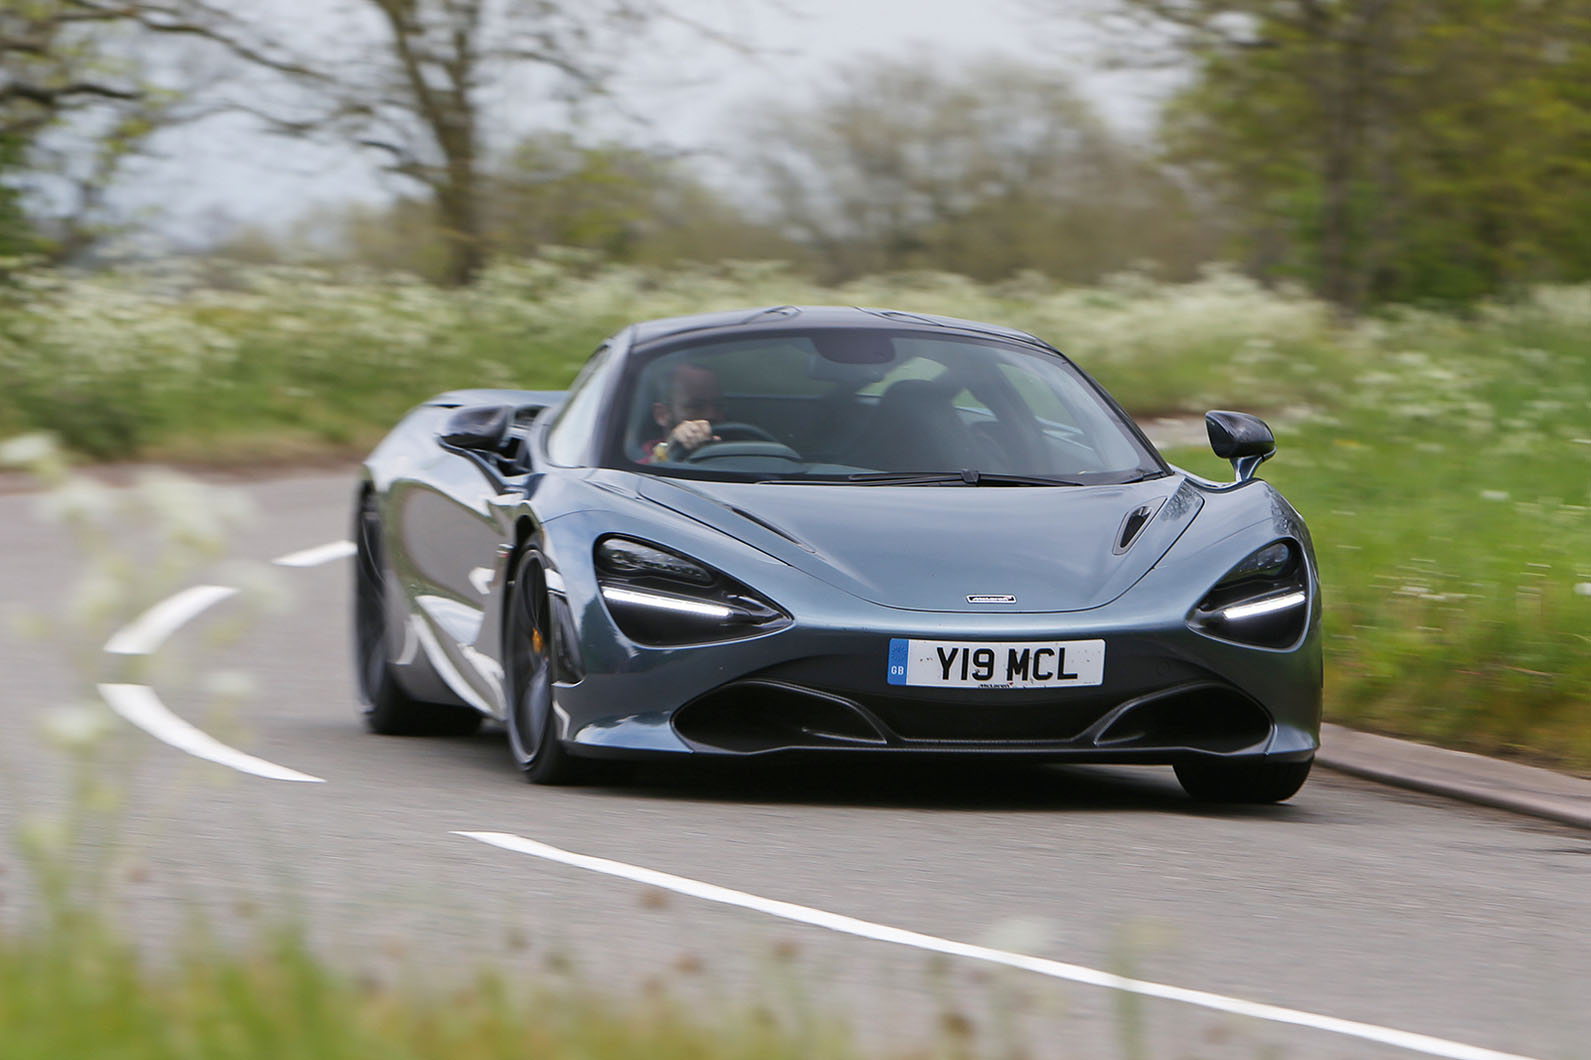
(985, 664)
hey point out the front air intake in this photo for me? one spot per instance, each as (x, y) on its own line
(751, 716)
(1212, 718)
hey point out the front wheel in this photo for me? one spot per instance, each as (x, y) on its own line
(532, 728)
(1243, 782)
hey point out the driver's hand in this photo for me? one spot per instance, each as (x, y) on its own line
(691, 435)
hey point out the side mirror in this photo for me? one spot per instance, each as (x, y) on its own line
(1243, 439)
(483, 428)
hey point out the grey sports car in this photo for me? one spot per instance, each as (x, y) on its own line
(833, 531)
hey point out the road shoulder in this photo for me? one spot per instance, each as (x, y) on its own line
(1457, 774)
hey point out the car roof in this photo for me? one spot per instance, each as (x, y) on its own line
(821, 316)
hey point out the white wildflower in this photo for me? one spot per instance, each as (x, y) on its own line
(97, 596)
(78, 499)
(189, 511)
(229, 686)
(28, 450)
(44, 835)
(75, 727)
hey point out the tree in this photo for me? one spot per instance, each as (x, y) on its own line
(67, 79)
(84, 86)
(624, 203)
(627, 203)
(428, 84)
(16, 234)
(1388, 148)
(985, 170)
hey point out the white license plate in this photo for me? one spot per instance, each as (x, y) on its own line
(986, 664)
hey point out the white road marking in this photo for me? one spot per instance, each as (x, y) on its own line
(139, 705)
(1419, 1043)
(314, 557)
(149, 630)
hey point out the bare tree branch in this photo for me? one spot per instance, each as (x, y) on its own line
(51, 96)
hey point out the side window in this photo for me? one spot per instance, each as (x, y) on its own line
(578, 417)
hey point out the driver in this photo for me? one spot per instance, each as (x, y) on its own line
(695, 400)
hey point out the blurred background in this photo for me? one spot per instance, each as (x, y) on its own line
(1373, 151)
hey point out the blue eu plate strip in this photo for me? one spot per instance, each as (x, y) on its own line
(897, 661)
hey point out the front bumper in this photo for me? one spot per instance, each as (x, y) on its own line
(1168, 694)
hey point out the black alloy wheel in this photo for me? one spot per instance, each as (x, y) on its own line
(389, 710)
(1243, 782)
(532, 727)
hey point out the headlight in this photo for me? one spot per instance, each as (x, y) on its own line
(621, 556)
(1264, 600)
(660, 597)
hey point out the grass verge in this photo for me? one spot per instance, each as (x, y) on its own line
(78, 992)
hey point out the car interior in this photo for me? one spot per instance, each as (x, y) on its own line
(920, 406)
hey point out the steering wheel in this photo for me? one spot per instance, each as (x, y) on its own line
(754, 449)
(735, 431)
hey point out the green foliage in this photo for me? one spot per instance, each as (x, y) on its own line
(172, 359)
(556, 192)
(625, 205)
(80, 992)
(16, 233)
(1431, 151)
(988, 169)
(1449, 493)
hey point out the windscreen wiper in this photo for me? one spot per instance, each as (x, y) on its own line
(965, 477)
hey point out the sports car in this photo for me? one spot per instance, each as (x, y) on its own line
(835, 531)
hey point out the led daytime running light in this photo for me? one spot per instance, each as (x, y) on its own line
(1268, 606)
(613, 594)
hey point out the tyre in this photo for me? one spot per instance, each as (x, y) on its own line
(1246, 782)
(389, 710)
(528, 668)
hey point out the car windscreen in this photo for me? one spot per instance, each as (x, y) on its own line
(870, 405)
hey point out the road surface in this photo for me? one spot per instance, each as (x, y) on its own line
(1353, 902)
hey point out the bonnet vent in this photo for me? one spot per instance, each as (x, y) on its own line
(1133, 525)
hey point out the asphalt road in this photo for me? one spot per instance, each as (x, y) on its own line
(1354, 901)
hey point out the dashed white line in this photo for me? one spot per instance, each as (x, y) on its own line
(139, 705)
(1420, 1043)
(314, 557)
(149, 630)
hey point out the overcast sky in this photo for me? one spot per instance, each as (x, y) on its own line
(683, 91)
